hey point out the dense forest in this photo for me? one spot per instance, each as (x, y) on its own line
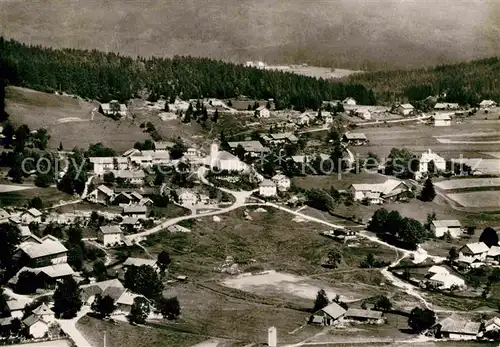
(106, 76)
(465, 83)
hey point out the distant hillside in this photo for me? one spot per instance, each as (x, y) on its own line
(352, 34)
(465, 83)
(105, 76)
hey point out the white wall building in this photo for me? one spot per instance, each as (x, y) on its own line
(104, 164)
(268, 188)
(225, 161)
(282, 182)
(31, 216)
(442, 120)
(441, 227)
(425, 159)
(110, 235)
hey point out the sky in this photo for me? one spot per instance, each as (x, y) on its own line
(331, 33)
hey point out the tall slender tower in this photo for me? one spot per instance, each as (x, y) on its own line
(214, 150)
(272, 339)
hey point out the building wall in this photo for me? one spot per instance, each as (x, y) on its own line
(39, 329)
(109, 239)
(267, 191)
(438, 231)
(27, 218)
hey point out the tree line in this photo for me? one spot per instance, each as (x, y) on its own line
(106, 76)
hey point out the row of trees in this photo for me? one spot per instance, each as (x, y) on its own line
(106, 76)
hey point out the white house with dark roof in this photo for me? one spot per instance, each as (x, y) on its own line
(328, 315)
(442, 120)
(268, 188)
(110, 235)
(31, 216)
(377, 193)
(50, 250)
(441, 227)
(101, 195)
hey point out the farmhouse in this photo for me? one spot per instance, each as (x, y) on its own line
(253, 148)
(445, 280)
(89, 291)
(135, 177)
(104, 164)
(329, 315)
(282, 182)
(485, 104)
(477, 250)
(16, 308)
(149, 157)
(455, 328)
(36, 326)
(441, 227)
(110, 235)
(442, 106)
(267, 188)
(35, 254)
(262, 112)
(377, 193)
(349, 101)
(363, 113)
(31, 216)
(364, 315)
(125, 301)
(135, 211)
(101, 195)
(45, 313)
(139, 262)
(423, 164)
(280, 138)
(114, 108)
(162, 146)
(186, 197)
(441, 120)
(404, 109)
(356, 139)
(48, 274)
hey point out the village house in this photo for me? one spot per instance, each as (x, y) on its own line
(443, 106)
(349, 101)
(105, 164)
(130, 261)
(492, 325)
(34, 254)
(101, 195)
(486, 104)
(444, 280)
(456, 328)
(425, 159)
(404, 109)
(16, 307)
(262, 112)
(282, 182)
(45, 313)
(162, 146)
(36, 326)
(123, 198)
(328, 315)
(31, 216)
(267, 188)
(125, 301)
(377, 193)
(369, 316)
(186, 197)
(442, 120)
(131, 152)
(279, 138)
(48, 275)
(131, 223)
(356, 139)
(134, 177)
(110, 235)
(150, 158)
(224, 161)
(136, 211)
(441, 227)
(493, 254)
(252, 148)
(114, 108)
(303, 119)
(476, 251)
(363, 113)
(88, 292)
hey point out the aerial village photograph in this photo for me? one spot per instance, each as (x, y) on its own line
(220, 173)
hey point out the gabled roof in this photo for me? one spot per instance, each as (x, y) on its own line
(441, 117)
(136, 195)
(487, 103)
(34, 212)
(454, 324)
(407, 106)
(130, 220)
(284, 136)
(443, 105)
(129, 173)
(42, 310)
(436, 269)
(477, 247)
(494, 320)
(135, 209)
(355, 136)
(429, 156)
(46, 248)
(249, 146)
(105, 190)
(4, 214)
(334, 310)
(448, 223)
(162, 145)
(448, 279)
(131, 152)
(110, 229)
(16, 305)
(139, 262)
(382, 188)
(267, 183)
(101, 286)
(127, 298)
(32, 320)
(260, 108)
(24, 230)
(358, 313)
(223, 155)
(113, 292)
(494, 251)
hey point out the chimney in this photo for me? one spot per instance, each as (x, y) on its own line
(272, 340)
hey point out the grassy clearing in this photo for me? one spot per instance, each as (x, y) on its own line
(49, 196)
(477, 198)
(340, 182)
(124, 334)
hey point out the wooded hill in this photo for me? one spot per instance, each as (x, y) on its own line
(465, 83)
(106, 76)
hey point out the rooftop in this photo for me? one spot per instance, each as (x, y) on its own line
(46, 248)
(355, 136)
(359, 313)
(448, 223)
(135, 209)
(477, 247)
(249, 146)
(110, 229)
(34, 212)
(454, 324)
(382, 188)
(139, 262)
(334, 310)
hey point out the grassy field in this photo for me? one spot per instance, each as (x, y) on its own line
(69, 120)
(468, 183)
(339, 182)
(477, 199)
(124, 334)
(49, 196)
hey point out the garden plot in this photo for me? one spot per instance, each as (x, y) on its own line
(275, 283)
(477, 199)
(468, 183)
(5, 188)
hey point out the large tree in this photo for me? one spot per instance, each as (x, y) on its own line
(143, 280)
(67, 300)
(401, 163)
(321, 301)
(421, 319)
(10, 237)
(428, 192)
(103, 305)
(383, 303)
(139, 311)
(168, 307)
(163, 260)
(489, 236)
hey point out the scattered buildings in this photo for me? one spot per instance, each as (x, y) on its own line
(442, 120)
(110, 235)
(355, 139)
(441, 227)
(377, 193)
